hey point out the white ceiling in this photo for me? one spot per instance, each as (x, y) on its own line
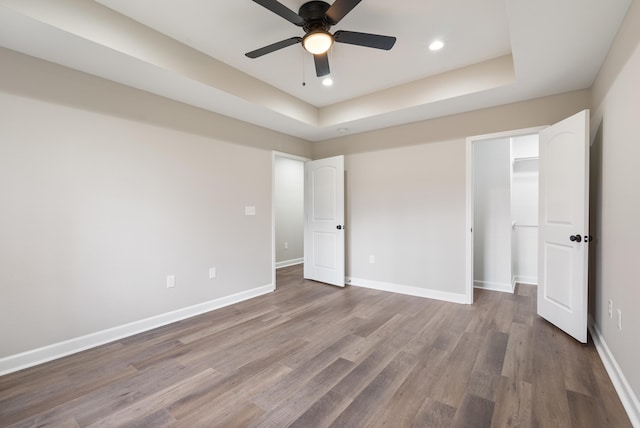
(497, 51)
(476, 31)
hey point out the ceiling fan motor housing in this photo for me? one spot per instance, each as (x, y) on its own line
(314, 15)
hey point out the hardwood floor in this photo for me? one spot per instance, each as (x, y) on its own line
(313, 355)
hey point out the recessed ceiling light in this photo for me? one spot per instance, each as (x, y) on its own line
(436, 45)
(327, 81)
(343, 130)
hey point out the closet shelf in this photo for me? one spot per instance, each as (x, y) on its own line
(524, 159)
(514, 225)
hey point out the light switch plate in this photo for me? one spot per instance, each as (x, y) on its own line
(249, 210)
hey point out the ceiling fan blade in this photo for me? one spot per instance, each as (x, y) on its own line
(365, 39)
(273, 47)
(339, 9)
(280, 9)
(322, 64)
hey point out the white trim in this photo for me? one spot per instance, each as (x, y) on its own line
(13, 363)
(408, 290)
(503, 287)
(468, 289)
(522, 279)
(290, 156)
(469, 196)
(273, 218)
(287, 263)
(627, 397)
(508, 134)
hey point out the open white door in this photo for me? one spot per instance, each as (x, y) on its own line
(324, 220)
(563, 224)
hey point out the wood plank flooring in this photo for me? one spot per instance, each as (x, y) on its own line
(313, 355)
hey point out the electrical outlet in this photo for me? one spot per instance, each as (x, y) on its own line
(619, 319)
(171, 281)
(372, 259)
(286, 245)
(610, 309)
(212, 273)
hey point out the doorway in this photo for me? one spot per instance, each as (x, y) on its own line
(287, 211)
(502, 210)
(308, 217)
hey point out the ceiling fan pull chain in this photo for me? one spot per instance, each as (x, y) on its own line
(304, 83)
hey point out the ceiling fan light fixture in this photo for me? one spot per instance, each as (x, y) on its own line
(317, 42)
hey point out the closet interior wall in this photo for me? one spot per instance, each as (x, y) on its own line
(524, 209)
(505, 212)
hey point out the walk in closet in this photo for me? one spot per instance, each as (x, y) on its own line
(505, 212)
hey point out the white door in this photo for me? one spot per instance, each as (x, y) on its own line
(324, 220)
(563, 224)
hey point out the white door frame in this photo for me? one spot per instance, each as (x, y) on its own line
(469, 196)
(276, 154)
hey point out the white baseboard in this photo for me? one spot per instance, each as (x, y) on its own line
(504, 287)
(522, 279)
(292, 262)
(409, 290)
(627, 397)
(13, 363)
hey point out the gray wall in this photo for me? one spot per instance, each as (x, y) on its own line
(289, 209)
(100, 203)
(615, 198)
(405, 207)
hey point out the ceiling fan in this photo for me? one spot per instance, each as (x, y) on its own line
(315, 18)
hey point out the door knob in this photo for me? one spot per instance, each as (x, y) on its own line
(339, 227)
(576, 238)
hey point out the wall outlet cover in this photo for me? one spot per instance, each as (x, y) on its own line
(171, 281)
